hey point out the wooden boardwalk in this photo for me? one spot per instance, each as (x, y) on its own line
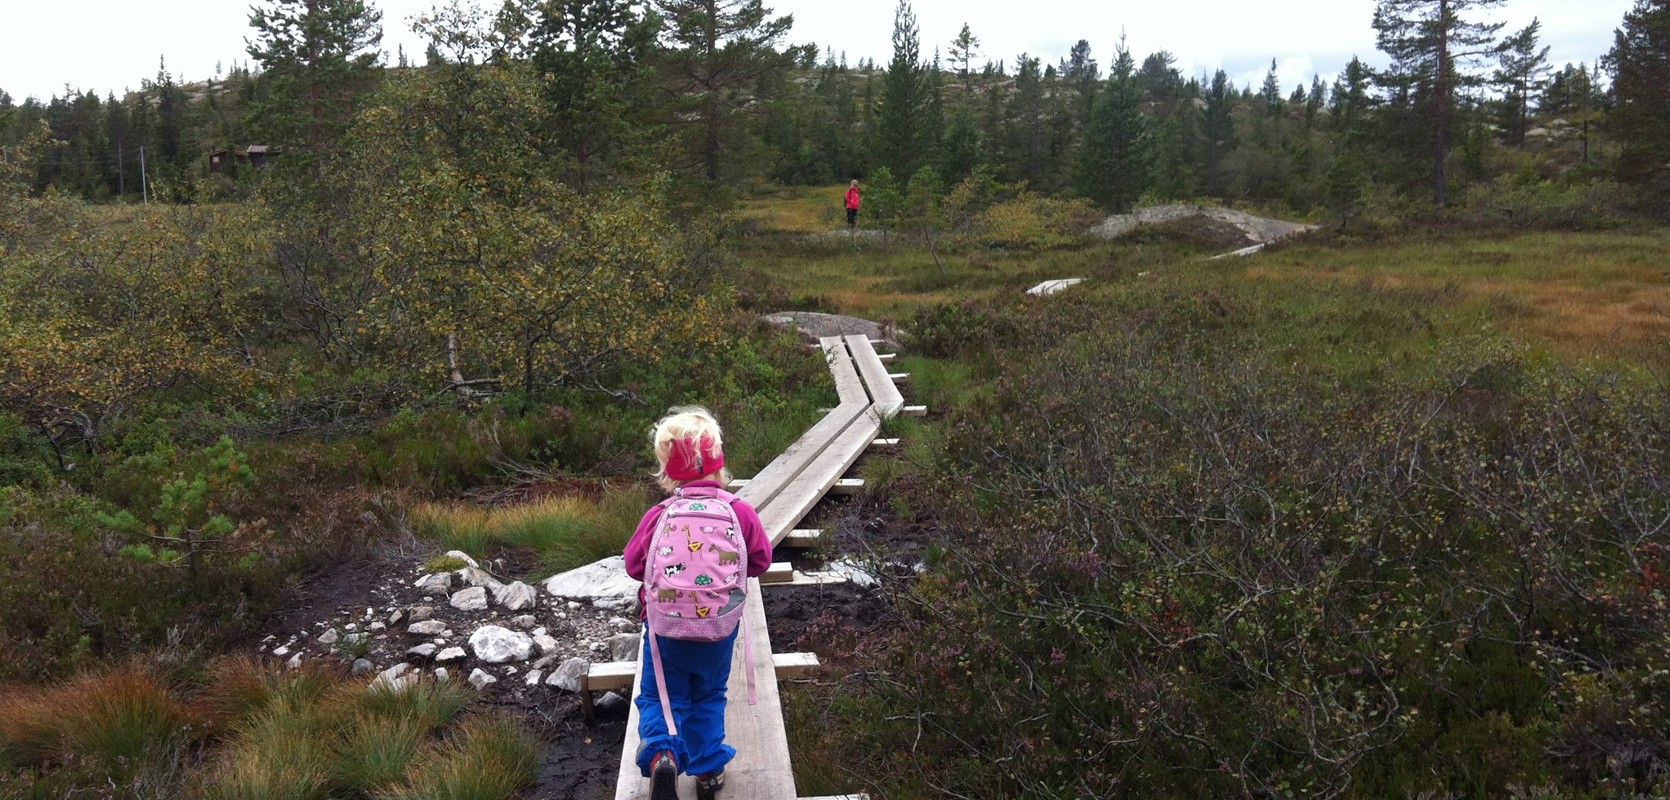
(783, 493)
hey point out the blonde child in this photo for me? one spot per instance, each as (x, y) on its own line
(692, 675)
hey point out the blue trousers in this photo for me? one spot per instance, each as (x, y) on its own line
(697, 674)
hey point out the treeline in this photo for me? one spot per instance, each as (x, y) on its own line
(710, 90)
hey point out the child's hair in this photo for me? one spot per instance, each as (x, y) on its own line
(689, 439)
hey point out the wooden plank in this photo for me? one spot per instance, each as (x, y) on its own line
(885, 443)
(802, 538)
(887, 358)
(848, 385)
(915, 411)
(812, 579)
(839, 797)
(791, 666)
(778, 572)
(898, 377)
(804, 491)
(761, 769)
(884, 396)
(811, 448)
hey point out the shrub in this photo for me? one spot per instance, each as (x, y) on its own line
(115, 717)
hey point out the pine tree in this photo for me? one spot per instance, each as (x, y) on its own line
(1521, 73)
(964, 49)
(1432, 47)
(720, 50)
(317, 57)
(596, 56)
(1640, 64)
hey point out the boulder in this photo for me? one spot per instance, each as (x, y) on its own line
(462, 556)
(428, 627)
(474, 576)
(605, 583)
(516, 596)
(471, 599)
(496, 645)
(450, 655)
(395, 678)
(439, 583)
(567, 677)
(481, 680)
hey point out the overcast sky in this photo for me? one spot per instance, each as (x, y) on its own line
(111, 45)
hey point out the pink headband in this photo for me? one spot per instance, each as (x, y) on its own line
(688, 462)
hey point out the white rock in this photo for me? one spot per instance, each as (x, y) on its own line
(473, 576)
(439, 583)
(422, 652)
(421, 613)
(377, 626)
(442, 675)
(471, 599)
(610, 701)
(539, 631)
(295, 661)
(599, 647)
(481, 680)
(546, 644)
(496, 645)
(329, 637)
(624, 646)
(395, 618)
(363, 666)
(545, 662)
(567, 676)
(428, 627)
(525, 622)
(462, 556)
(281, 651)
(451, 654)
(605, 583)
(396, 678)
(352, 626)
(532, 678)
(620, 623)
(516, 596)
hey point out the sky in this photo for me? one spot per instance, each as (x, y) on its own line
(112, 45)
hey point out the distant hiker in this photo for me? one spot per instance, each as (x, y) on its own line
(852, 204)
(695, 552)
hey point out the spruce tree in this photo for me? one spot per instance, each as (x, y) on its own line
(1640, 64)
(596, 57)
(1113, 162)
(903, 133)
(1218, 136)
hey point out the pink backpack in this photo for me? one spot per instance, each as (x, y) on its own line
(696, 574)
(696, 578)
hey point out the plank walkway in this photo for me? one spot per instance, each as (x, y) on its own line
(783, 493)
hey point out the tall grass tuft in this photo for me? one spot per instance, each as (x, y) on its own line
(237, 688)
(430, 704)
(377, 750)
(490, 758)
(123, 715)
(568, 531)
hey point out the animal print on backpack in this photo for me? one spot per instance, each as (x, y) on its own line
(695, 577)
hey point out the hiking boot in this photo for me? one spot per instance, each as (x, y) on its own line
(709, 785)
(663, 776)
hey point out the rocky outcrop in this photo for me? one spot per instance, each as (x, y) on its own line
(1258, 230)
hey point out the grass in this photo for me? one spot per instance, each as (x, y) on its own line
(489, 758)
(796, 209)
(122, 715)
(567, 531)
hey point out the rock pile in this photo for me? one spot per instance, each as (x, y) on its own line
(467, 622)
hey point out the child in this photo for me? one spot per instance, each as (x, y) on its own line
(853, 201)
(690, 451)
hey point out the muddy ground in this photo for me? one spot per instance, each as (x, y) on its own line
(581, 759)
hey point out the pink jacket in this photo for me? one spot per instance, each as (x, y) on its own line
(852, 197)
(753, 536)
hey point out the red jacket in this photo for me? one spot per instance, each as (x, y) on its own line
(852, 197)
(753, 537)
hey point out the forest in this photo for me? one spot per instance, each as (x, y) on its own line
(1379, 512)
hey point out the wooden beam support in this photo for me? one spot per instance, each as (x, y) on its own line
(898, 377)
(915, 411)
(885, 443)
(778, 572)
(794, 665)
(802, 538)
(847, 486)
(887, 358)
